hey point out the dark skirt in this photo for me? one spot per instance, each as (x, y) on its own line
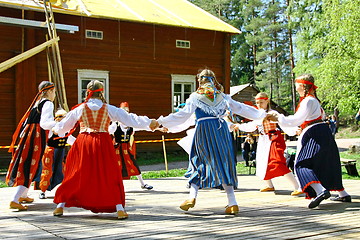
(318, 161)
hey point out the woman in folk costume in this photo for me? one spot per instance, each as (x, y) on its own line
(92, 178)
(212, 158)
(126, 150)
(317, 163)
(30, 137)
(270, 159)
(53, 158)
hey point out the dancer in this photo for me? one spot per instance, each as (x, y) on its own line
(53, 158)
(126, 149)
(212, 158)
(317, 163)
(270, 159)
(92, 178)
(30, 137)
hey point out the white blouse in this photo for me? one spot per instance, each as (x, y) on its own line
(183, 116)
(115, 114)
(309, 109)
(47, 121)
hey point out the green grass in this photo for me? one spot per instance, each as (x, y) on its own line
(158, 157)
(162, 174)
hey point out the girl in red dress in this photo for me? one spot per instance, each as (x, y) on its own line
(30, 137)
(270, 159)
(92, 178)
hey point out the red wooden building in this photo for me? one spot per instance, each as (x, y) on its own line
(146, 52)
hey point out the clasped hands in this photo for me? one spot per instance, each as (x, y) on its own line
(154, 125)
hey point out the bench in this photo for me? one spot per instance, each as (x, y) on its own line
(350, 166)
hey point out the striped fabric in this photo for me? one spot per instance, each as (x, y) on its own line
(318, 160)
(212, 159)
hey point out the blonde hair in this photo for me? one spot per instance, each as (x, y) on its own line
(263, 95)
(208, 73)
(95, 85)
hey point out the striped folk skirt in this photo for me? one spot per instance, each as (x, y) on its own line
(212, 159)
(318, 160)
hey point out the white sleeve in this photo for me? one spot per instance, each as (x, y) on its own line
(179, 120)
(66, 124)
(248, 127)
(71, 139)
(244, 110)
(47, 116)
(128, 119)
(112, 128)
(299, 117)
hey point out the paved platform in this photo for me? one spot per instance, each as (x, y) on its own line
(155, 214)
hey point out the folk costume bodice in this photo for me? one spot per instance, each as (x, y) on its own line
(95, 120)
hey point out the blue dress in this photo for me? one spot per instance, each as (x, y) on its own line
(212, 159)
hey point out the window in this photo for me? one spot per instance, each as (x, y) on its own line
(94, 34)
(182, 44)
(181, 88)
(85, 76)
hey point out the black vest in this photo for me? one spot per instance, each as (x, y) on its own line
(58, 143)
(120, 134)
(35, 113)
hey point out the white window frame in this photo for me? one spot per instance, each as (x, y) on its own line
(181, 79)
(89, 74)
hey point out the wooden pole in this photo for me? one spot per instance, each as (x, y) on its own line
(25, 55)
(165, 158)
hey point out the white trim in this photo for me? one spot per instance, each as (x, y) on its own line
(181, 79)
(90, 74)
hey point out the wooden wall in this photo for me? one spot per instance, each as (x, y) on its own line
(140, 59)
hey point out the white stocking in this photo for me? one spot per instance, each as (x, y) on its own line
(269, 183)
(230, 194)
(61, 205)
(193, 191)
(141, 179)
(19, 192)
(318, 188)
(343, 193)
(290, 177)
(119, 207)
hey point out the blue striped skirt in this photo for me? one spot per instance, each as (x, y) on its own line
(318, 160)
(212, 159)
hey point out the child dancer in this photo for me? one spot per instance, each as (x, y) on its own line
(270, 159)
(92, 178)
(212, 158)
(317, 163)
(126, 149)
(30, 137)
(52, 160)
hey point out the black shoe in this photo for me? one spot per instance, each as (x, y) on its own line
(42, 195)
(317, 200)
(341, 199)
(148, 187)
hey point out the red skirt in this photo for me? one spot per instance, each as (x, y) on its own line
(128, 164)
(92, 178)
(277, 163)
(25, 161)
